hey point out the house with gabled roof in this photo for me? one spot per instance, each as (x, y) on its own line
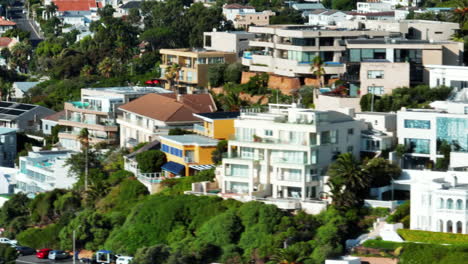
(152, 115)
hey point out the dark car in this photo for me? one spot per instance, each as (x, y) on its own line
(58, 254)
(24, 251)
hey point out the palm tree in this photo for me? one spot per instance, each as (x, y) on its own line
(84, 141)
(319, 72)
(172, 74)
(288, 256)
(20, 56)
(50, 10)
(461, 13)
(348, 181)
(107, 67)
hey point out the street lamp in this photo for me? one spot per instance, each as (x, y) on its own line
(74, 244)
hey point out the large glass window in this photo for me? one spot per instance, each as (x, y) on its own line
(358, 55)
(408, 55)
(422, 124)
(239, 170)
(303, 41)
(453, 130)
(416, 145)
(171, 150)
(304, 57)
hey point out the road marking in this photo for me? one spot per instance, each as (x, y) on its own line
(28, 262)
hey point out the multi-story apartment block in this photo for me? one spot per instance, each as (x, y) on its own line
(152, 115)
(97, 112)
(7, 147)
(373, 7)
(229, 41)
(423, 130)
(43, 171)
(440, 204)
(452, 76)
(387, 51)
(22, 117)
(193, 66)
(187, 154)
(326, 17)
(218, 125)
(378, 77)
(288, 50)
(283, 153)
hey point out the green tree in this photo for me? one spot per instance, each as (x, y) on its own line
(288, 255)
(8, 254)
(20, 56)
(287, 16)
(318, 71)
(153, 254)
(221, 148)
(348, 182)
(381, 172)
(233, 73)
(216, 74)
(16, 206)
(150, 161)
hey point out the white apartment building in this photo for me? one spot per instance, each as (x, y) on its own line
(284, 153)
(423, 130)
(452, 76)
(97, 112)
(288, 50)
(373, 7)
(44, 171)
(380, 131)
(233, 10)
(325, 17)
(229, 41)
(439, 202)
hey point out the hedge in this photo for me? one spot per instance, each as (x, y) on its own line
(381, 244)
(433, 237)
(433, 254)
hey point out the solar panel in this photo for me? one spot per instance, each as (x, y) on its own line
(25, 107)
(5, 104)
(12, 112)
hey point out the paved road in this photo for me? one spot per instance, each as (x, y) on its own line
(16, 13)
(32, 259)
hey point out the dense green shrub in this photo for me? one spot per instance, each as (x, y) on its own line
(180, 185)
(123, 196)
(150, 161)
(8, 254)
(381, 244)
(401, 215)
(46, 237)
(433, 254)
(433, 237)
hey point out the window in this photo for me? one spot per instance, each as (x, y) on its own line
(171, 150)
(239, 170)
(466, 110)
(350, 131)
(438, 82)
(416, 145)
(189, 76)
(207, 41)
(377, 90)
(449, 204)
(325, 137)
(459, 204)
(334, 136)
(375, 74)
(422, 124)
(268, 132)
(350, 149)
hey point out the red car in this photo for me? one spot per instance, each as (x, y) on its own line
(43, 253)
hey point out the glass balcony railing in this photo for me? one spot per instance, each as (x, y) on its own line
(86, 105)
(268, 140)
(199, 128)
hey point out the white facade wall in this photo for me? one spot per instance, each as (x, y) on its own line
(290, 157)
(370, 7)
(231, 13)
(47, 126)
(44, 171)
(325, 20)
(228, 41)
(453, 76)
(439, 202)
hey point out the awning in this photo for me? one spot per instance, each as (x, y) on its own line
(201, 167)
(173, 167)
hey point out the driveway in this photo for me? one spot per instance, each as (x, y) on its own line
(32, 259)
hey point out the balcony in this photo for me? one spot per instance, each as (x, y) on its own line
(85, 107)
(79, 121)
(274, 141)
(150, 178)
(199, 129)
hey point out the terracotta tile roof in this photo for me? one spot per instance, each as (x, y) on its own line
(76, 5)
(4, 22)
(5, 41)
(56, 116)
(166, 107)
(237, 6)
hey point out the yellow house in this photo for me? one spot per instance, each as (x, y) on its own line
(217, 125)
(187, 154)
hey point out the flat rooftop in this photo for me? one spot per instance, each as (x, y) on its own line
(191, 140)
(218, 115)
(130, 89)
(391, 41)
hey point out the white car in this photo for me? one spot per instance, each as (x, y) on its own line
(124, 260)
(5, 240)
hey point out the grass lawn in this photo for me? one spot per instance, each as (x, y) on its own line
(433, 237)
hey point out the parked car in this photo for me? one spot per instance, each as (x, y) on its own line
(43, 253)
(24, 251)
(124, 260)
(58, 254)
(5, 240)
